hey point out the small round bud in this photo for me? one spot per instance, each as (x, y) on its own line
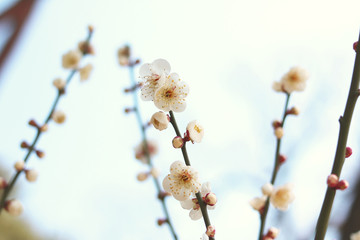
(59, 83)
(210, 199)
(210, 231)
(58, 117)
(276, 124)
(178, 142)
(142, 176)
(33, 123)
(24, 144)
(267, 189)
(31, 175)
(279, 132)
(355, 46)
(86, 47)
(40, 154)
(44, 128)
(155, 172)
(14, 207)
(348, 152)
(3, 183)
(342, 185)
(273, 232)
(258, 203)
(160, 120)
(161, 221)
(332, 180)
(282, 159)
(19, 166)
(293, 111)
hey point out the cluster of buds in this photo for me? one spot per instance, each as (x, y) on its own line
(271, 234)
(30, 174)
(333, 182)
(142, 176)
(41, 128)
(38, 152)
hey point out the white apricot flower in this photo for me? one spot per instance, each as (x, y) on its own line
(71, 59)
(355, 236)
(85, 72)
(282, 196)
(209, 199)
(153, 75)
(171, 95)
(294, 80)
(195, 130)
(140, 151)
(182, 182)
(258, 203)
(160, 120)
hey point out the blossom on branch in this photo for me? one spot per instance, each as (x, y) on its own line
(282, 196)
(294, 80)
(182, 182)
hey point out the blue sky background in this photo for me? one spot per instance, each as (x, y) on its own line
(229, 52)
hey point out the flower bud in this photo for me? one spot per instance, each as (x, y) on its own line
(161, 221)
(142, 176)
(160, 120)
(178, 142)
(210, 231)
(59, 83)
(44, 128)
(267, 189)
(273, 232)
(3, 183)
(40, 154)
(332, 180)
(14, 207)
(276, 124)
(210, 199)
(19, 166)
(282, 158)
(24, 144)
(279, 132)
(258, 203)
(31, 175)
(33, 123)
(342, 185)
(355, 46)
(293, 111)
(58, 117)
(155, 172)
(348, 152)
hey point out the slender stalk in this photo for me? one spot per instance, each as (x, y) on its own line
(147, 154)
(274, 173)
(30, 150)
(344, 121)
(203, 207)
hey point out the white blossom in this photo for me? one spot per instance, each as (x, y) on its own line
(160, 120)
(195, 130)
(171, 95)
(182, 182)
(258, 203)
(71, 59)
(85, 72)
(282, 196)
(154, 76)
(294, 80)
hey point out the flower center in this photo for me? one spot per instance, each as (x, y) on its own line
(169, 93)
(197, 129)
(294, 77)
(185, 177)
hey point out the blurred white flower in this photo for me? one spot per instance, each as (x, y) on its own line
(171, 95)
(258, 203)
(282, 196)
(294, 80)
(195, 130)
(355, 236)
(85, 72)
(71, 59)
(154, 76)
(14, 207)
(58, 116)
(140, 151)
(182, 182)
(267, 189)
(59, 83)
(193, 204)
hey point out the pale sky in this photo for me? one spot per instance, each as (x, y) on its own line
(229, 52)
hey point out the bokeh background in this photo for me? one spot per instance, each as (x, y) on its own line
(229, 52)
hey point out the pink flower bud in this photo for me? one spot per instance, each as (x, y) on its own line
(282, 158)
(161, 221)
(342, 185)
(14, 207)
(31, 175)
(210, 199)
(355, 46)
(3, 183)
(276, 124)
(210, 231)
(348, 152)
(273, 232)
(33, 123)
(279, 132)
(40, 154)
(24, 144)
(332, 181)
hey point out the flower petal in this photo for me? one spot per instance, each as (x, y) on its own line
(195, 214)
(145, 70)
(187, 204)
(160, 66)
(205, 188)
